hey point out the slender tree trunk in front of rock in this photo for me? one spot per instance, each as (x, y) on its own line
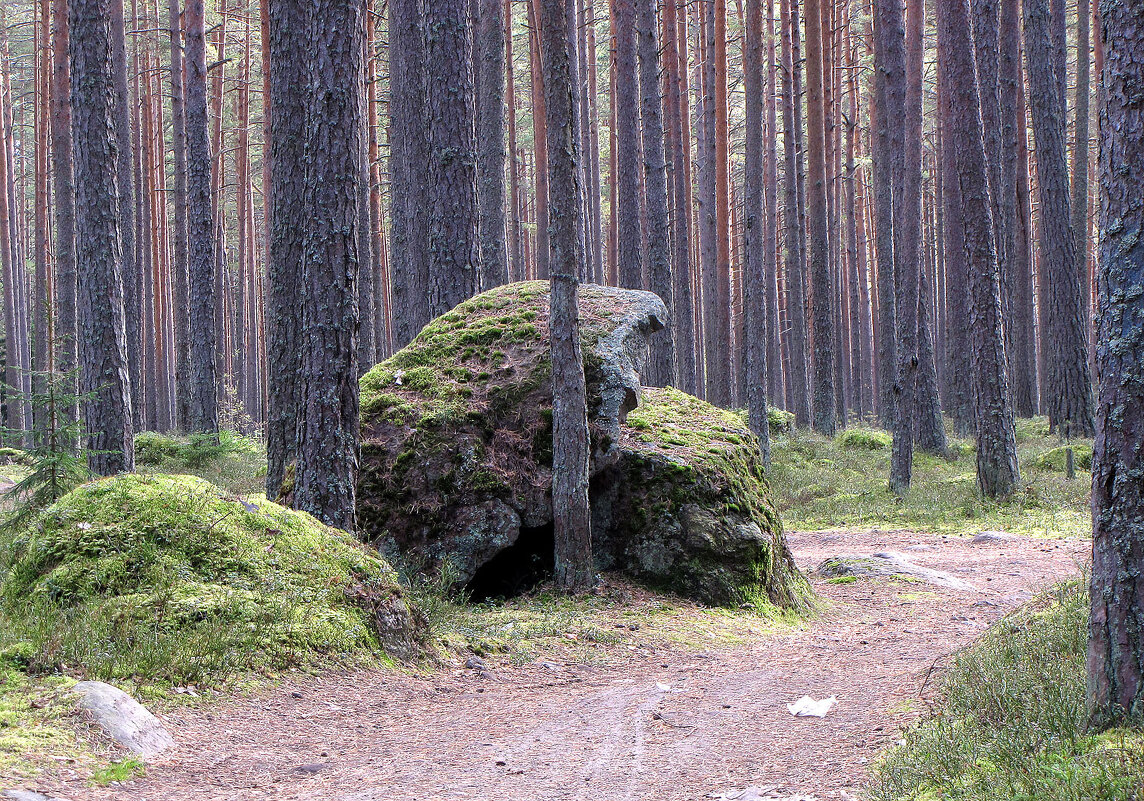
(102, 337)
(754, 241)
(571, 519)
(1116, 623)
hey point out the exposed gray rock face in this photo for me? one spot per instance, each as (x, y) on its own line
(123, 719)
(890, 565)
(457, 457)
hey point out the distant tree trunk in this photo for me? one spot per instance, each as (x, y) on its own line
(132, 279)
(200, 232)
(889, 89)
(930, 425)
(515, 245)
(1017, 271)
(334, 99)
(908, 254)
(1024, 298)
(540, 150)
(825, 416)
(591, 144)
(1080, 156)
(179, 238)
(792, 220)
(956, 269)
(627, 177)
(856, 275)
(987, 55)
(453, 235)
(63, 179)
(288, 54)
(490, 51)
(754, 241)
(997, 474)
(719, 369)
(572, 524)
(1116, 649)
(1070, 393)
(772, 330)
(662, 367)
(705, 184)
(682, 322)
(41, 303)
(408, 164)
(102, 346)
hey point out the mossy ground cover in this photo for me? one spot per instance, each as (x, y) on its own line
(843, 483)
(1012, 726)
(600, 628)
(235, 462)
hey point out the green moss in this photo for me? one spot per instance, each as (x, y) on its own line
(1032, 428)
(169, 577)
(232, 461)
(1056, 460)
(34, 724)
(778, 421)
(864, 439)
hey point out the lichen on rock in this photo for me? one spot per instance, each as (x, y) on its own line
(457, 456)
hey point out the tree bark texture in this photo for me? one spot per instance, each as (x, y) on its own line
(490, 53)
(331, 255)
(102, 336)
(627, 178)
(570, 446)
(1064, 330)
(997, 474)
(1116, 623)
(450, 102)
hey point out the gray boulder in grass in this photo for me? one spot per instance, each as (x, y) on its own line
(123, 719)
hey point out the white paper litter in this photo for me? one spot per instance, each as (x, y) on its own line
(807, 707)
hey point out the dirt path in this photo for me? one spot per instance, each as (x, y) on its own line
(663, 725)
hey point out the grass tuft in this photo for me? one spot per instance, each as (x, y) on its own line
(1013, 723)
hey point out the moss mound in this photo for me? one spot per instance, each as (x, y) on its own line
(866, 439)
(1056, 459)
(169, 577)
(232, 461)
(457, 454)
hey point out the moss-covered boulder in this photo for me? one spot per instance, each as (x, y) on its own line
(168, 575)
(457, 456)
(1056, 459)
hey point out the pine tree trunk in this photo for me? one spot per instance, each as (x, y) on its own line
(41, 303)
(754, 240)
(132, 279)
(332, 240)
(64, 185)
(515, 243)
(102, 338)
(540, 149)
(288, 52)
(1116, 649)
(774, 371)
(200, 232)
(179, 240)
(1023, 320)
(571, 520)
(956, 269)
(490, 51)
(889, 83)
(825, 417)
(997, 474)
(719, 366)
(408, 163)
(627, 116)
(907, 252)
(1017, 269)
(795, 269)
(1080, 155)
(683, 314)
(661, 370)
(1070, 393)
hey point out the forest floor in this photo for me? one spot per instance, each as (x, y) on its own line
(638, 715)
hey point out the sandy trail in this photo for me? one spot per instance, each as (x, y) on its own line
(662, 724)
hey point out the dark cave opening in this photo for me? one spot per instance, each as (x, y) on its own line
(518, 568)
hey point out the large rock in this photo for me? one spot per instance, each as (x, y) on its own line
(457, 457)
